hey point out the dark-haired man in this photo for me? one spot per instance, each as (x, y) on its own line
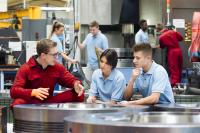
(148, 78)
(142, 35)
(36, 79)
(108, 84)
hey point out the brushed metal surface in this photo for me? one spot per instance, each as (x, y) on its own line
(184, 107)
(142, 122)
(49, 118)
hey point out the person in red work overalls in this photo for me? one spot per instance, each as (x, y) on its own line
(170, 39)
(35, 80)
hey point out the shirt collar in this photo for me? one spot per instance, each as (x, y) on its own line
(151, 68)
(98, 33)
(143, 31)
(110, 77)
(34, 63)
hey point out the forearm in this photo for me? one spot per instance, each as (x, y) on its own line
(66, 79)
(67, 58)
(156, 46)
(80, 45)
(76, 82)
(112, 102)
(100, 50)
(129, 89)
(19, 92)
(91, 99)
(153, 99)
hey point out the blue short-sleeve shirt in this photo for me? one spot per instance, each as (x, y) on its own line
(56, 39)
(108, 89)
(141, 37)
(99, 41)
(155, 80)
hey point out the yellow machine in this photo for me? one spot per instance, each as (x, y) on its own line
(14, 18)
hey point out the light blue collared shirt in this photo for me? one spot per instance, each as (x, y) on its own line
(108, 89)
(99, 41)
(155, 80)
(141, 37)
(56, 39)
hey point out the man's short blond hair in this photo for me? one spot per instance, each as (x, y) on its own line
(144, 47)
(94, 24)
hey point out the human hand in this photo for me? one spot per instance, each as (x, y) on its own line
(99, 50)
(156, 46)
(123, 103)
(74, 61)
(40, 93)
(91, 99)
(79, 89)
(136, 72)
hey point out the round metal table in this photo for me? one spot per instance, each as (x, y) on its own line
(183, 107)
(49, 118)
(142, 122)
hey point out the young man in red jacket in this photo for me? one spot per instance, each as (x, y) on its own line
(36, 79)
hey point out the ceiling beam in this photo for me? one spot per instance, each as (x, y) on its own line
(17, 3)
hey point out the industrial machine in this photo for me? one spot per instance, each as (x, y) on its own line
(7, 56)
(142, 122)
(14, 18)
(49, 118)
(125, 57)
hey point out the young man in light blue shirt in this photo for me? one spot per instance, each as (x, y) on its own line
(108, 84)
(142, 35)
(95, 39)
(148, 78)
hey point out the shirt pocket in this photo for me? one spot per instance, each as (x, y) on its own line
(34, 77)
(53, 77)
(34, 81)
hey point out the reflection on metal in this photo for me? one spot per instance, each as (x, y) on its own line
(189, 107)
(143, 122)
(125, 57)
(124, 63)
(49, 117)
(124, 52)
(127, 29)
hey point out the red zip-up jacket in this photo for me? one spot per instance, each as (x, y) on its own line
(170, 39)
(31, 75)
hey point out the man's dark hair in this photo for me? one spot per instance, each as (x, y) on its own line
(94, 24)
(44, 45)
(142, 21)
(111, 57)
(144, 47)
